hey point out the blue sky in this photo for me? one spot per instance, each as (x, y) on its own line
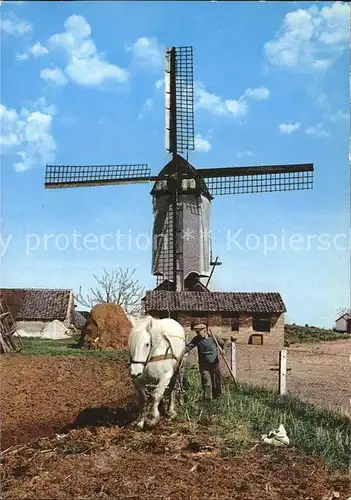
(82, 83)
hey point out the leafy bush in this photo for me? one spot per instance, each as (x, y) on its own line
(295, 334)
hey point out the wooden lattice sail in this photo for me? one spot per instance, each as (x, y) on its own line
(9, 339)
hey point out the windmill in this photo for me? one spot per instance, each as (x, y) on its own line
(182, 194)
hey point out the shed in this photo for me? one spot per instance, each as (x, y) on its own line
(248, 316)
(343, 324)
(33, 308)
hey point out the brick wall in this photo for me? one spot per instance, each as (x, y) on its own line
(273, 338)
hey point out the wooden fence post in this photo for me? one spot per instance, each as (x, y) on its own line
(282, 371)
(233, 356)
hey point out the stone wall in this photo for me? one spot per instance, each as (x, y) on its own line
(31, 328)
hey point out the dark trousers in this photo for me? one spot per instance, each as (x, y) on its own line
(210, 379)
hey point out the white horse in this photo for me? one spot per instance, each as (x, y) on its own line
(156, 349)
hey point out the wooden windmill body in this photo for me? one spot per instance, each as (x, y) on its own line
(182, 194)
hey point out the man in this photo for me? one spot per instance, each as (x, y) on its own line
(208, 360)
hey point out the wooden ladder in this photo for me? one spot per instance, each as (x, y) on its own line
(9, 338)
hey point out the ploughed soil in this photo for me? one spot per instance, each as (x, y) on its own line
(171, 462)
(101, 456)
(40, 395)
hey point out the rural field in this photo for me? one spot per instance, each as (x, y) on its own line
(67, 433)
(319, 373)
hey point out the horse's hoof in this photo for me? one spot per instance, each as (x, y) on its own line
(150, 423)
(140, 424)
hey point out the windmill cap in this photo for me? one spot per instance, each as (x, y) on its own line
(199, 327)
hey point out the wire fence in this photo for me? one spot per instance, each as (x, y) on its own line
(319, 375)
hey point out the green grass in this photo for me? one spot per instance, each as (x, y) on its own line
(66, 347)
(241, 416)
(295, 334)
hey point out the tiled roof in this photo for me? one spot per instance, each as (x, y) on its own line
(346, 315)
(214, 302)
(37, 304)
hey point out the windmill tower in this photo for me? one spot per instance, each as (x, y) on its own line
(182, 194)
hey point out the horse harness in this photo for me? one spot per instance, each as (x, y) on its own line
(159, 357)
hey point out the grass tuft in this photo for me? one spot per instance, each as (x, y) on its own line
(241, 416)
(65, 347)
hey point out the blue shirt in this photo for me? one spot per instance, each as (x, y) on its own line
(207, 348)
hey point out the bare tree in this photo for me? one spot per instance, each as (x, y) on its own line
(118, 287)
(341, 311)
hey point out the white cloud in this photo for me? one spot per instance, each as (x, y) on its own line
(317, 131)
(218, 106)
(289, 128)
(159, 83)
(12, 25)
(258, 93)
(38, 50)
(202, 145)
(236, 107)
(244, 154)
(311, 38)
(340, 115)
(148, 104)
(85, 66)
(28, 134)
(41, 105)
(55, 75)
(22, 57)
(147, 52)
(227, 107)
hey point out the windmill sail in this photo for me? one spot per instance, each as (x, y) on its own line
(179, 100)
(63, 176)
(257, 179)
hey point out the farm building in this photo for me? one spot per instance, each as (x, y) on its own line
(252, 318)
(343, 324)
(35, 309)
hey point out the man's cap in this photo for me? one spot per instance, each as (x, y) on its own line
(199, 326)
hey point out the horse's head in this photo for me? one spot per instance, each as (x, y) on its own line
(140, 345)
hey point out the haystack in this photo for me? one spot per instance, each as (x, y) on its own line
(106, 327)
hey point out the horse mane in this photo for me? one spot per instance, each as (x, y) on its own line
(143, 322)
(146, 322)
